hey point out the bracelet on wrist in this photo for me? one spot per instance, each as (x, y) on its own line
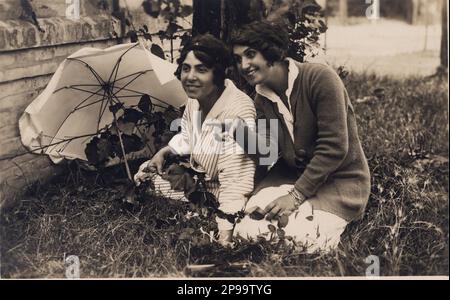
(298, 197)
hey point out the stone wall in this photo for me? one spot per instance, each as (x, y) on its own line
(28, 58)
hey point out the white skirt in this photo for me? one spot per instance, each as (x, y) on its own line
(315, 229)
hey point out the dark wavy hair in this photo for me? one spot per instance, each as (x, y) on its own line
(271, 39)
(212, 52)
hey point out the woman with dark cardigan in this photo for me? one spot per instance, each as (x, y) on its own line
(321, 180)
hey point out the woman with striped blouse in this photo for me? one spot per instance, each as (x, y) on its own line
(213, 101)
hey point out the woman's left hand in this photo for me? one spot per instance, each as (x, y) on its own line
(283, 205)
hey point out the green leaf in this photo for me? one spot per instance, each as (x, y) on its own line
(166, 13)
(123, 127)
(152, 7)
(116, 107)
(186, 11)
(99, 150)
(172, 28)
(180, 179)
(157, 50)
(133, 36)
(91, 152)
(132, 115)
(185, 38)
(272, 228)
(145, 104)
(148, 36)
(171, 114)
(132, 143)
(160, 123)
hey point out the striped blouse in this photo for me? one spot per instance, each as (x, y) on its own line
(229, 171)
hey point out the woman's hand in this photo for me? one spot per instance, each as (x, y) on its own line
(283, 205)
(148, 168)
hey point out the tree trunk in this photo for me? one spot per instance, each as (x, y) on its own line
(238, 13)
(206, 17)
(444, 39)
(221, 17)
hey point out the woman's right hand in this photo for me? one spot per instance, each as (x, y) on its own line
(148, 168)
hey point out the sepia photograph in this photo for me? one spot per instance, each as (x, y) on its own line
(224, 139)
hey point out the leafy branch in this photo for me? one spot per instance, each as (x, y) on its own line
(170, 11)
(304, 23)
(129, 131)
(193, 184)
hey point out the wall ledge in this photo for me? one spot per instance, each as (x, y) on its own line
(20, 34)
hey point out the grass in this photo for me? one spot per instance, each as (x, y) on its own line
(405, 137)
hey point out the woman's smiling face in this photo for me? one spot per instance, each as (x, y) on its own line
(251, 64)
(196, 78)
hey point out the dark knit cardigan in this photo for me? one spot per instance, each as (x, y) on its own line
(326, 156)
